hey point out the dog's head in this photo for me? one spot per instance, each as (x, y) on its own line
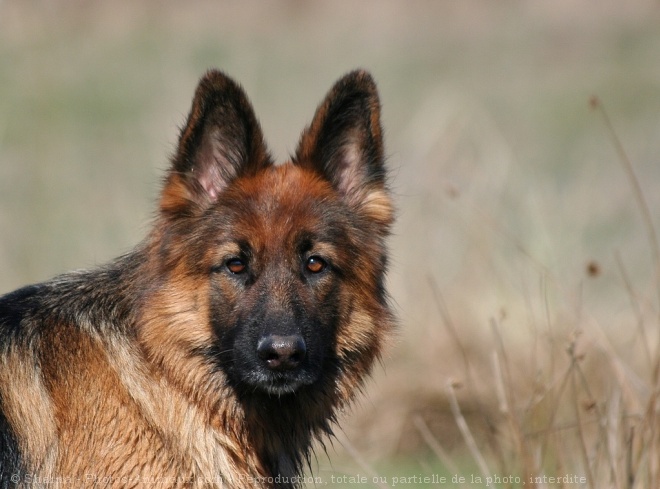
(272, 275)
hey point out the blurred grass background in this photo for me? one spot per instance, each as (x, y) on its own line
(517, 225)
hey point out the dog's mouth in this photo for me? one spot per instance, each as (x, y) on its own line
(279, 384)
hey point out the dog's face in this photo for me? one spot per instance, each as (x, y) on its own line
(282, 266)
(276, 276)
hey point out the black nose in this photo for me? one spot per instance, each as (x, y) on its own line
(282, 352)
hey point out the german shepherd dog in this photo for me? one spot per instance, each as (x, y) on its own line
(222, 346)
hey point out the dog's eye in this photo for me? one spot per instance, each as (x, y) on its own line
(315, 264)
(235, 265)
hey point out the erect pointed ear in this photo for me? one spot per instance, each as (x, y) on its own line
(221, 141)
(344, 144)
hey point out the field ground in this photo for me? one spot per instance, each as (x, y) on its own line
(524, 270)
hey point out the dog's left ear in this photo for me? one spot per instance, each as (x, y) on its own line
(221, 141)
(344, 143)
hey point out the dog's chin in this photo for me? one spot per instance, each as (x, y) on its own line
(279, 385)
(280, 390)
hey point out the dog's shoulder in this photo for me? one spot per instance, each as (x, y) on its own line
(16, 307)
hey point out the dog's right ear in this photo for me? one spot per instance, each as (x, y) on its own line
(221, 141)
(344, 144)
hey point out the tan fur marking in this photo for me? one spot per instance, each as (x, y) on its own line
(28, 408)
(377, 205)
(175, 195)
(183, 425)
(179, 317)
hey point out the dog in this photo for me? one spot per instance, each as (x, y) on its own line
(218, 350)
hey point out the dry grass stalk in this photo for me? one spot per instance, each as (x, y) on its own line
(465, 431)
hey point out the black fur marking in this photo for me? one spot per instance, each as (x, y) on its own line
(14, 307)
(10, 455)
